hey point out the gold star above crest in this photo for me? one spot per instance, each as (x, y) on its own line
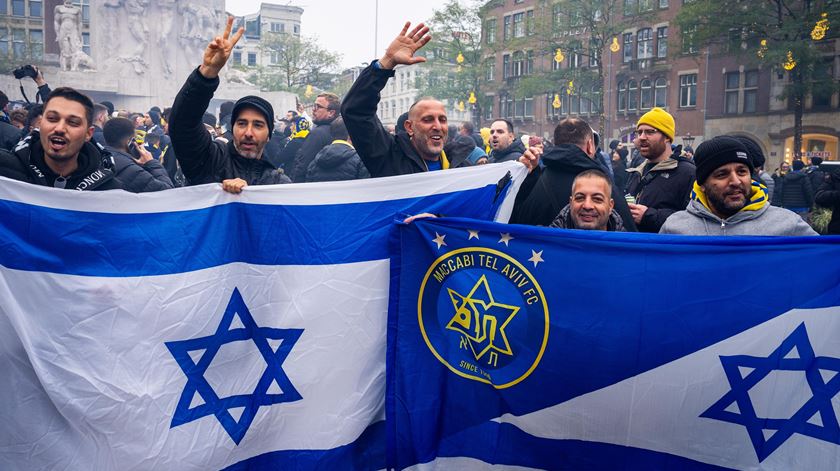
(506, 238)
(473, 235)
(536, 257)
(439, 240)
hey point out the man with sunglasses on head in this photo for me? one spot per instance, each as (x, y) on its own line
(325, 110)
(662, 184)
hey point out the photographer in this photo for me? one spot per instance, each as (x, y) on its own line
(134, 165)
(828, 194)
(34, 73)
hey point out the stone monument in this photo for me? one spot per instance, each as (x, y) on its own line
(142, 51)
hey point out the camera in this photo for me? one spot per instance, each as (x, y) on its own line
(25, 71)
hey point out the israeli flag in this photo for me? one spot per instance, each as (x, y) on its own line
(193, 329)
(563, 349)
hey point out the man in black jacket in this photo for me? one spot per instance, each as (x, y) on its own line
(61, 155)
(140, 173)
(503, 142)
(239, 162)
(421, 148)
(547, 189)
(337, 161)
(325, 110)
(662, 184)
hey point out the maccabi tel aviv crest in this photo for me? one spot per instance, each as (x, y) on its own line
(484, 316)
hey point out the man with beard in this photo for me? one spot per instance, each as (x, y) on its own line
(503, 142)
(420, 148)
(661, 185)
(727, 201)
(590, 207)
(61, 155)
(324, 111)
(237, 163)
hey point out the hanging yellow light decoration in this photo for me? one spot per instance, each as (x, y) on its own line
(571, 87)
(614, 47)
(308, 93)
(762, 49)
(818, 33)
(472, 99)
(460, 58)
(558, 56)
(461, 105)
(556, 103)
(789, 64)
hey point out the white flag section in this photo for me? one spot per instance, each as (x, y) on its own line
(727, 405)
(193, 329)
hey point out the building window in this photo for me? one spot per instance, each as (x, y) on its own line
(36, 43)
(663, 3)
(645, 5)
(630, 7)
(34, 8)
(86, 43)
(488, 112)
(529, 63)
(506, 66)
(593, 53)
(632, 96)
(596, 98)
(647, 93)
(688, 90)
(274, 57)
(574, 104)
(733, 84)
(688, 44)
(506, 34)
(18, 43)
(622, 97)
(529, 107)
(297, 29)
(660, 92)
(4, 7)
(662, 42)
(628, 47)
(574, 60)
(18, 8)
(490, 31)
(519, 25)
(529, 23)
(4, 41)
(557, 17)
(252, 59)
(252, 29)
(644, 41)
(518, 64)
(823, 86)
(750, 91)
(237, 57)
(491, 72)
(84, 5)
(278, 28)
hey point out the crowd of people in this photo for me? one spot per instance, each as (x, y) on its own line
(719, 188)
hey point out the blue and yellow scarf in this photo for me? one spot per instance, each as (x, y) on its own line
(758, 197)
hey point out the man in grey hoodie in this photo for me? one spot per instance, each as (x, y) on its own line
(726, 201)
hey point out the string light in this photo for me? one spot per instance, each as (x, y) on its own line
(614, 47)
(556, 103)
(558, 56)
(818, 33)
(790, 63)
(762, 49)
(472, 99)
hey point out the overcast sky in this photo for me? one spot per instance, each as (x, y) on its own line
(347, 26)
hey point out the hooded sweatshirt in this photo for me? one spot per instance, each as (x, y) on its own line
(512, 152)
(757, 218)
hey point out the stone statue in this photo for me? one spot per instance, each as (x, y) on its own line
(68, 32)
(166, 49)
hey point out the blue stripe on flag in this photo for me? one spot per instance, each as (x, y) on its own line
(35, 238)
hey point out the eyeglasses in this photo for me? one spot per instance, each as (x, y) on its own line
(647, 132)
(318, 106)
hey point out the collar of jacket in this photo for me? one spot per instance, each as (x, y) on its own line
(758, 199)
(341, 141)
(404, 141)
(96, 165)
(667, 164)
(262, 161)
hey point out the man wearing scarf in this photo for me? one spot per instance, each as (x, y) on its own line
(727, 201)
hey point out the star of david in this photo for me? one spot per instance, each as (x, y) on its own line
(477, 318)
(272, 379)
(815, 419)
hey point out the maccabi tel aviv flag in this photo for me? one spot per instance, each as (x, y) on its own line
(193, 329)
(558, 349)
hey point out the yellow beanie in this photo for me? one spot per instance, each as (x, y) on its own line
(661, 120)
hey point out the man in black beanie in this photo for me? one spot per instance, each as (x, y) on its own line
(239, 162)
(727, 201)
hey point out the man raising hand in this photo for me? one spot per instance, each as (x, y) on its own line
(238, 163)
